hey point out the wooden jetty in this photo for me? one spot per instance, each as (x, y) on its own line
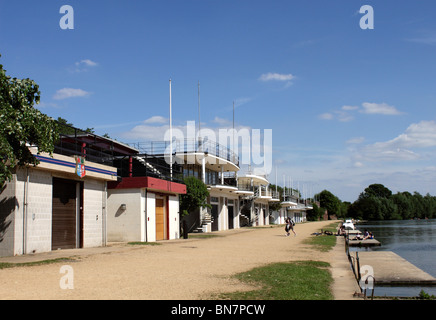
(364, 243)
(386, 268)
(353, 242)
(392, 270)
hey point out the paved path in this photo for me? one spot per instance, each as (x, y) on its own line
(179, 270)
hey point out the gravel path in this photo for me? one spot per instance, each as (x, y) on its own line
(179, 270)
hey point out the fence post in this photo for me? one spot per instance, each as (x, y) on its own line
(358, 265)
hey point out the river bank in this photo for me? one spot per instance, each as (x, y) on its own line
(413, 240)
(192, 269)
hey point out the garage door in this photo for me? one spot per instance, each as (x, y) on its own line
(160, 219)
(64, 214)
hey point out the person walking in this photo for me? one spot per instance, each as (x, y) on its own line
(290, 226)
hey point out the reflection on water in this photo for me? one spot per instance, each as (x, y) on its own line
(413, 240)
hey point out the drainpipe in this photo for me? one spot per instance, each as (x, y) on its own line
(146, 216)
(203, 168)
(25, 210)
(104, 214)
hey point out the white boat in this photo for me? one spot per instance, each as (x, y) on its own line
(348, 225)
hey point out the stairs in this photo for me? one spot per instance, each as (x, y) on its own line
(148, 165)
(207, 221)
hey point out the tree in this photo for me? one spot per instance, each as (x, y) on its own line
(195, 197)
(21, 125)
(315, 214)
(330, 202)
(68, 128)
(404, 204)
(377, 190)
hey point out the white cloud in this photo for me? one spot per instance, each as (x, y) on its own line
(339, 115)
(326, 116)
(222, 122)
(241, 101)
(145, 132)
(358, 164)
(66, 93)
(417, 135)
(276, 77)
(82, 66)
(349, 108)
(87, 62)
(405, 147)
(379, 108)
(156, 119)
(345, 114)
(357, 140)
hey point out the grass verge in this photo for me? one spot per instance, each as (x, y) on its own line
(139, 243)
(299, 280)
(324, 242)
(4, 265)
(202, 235)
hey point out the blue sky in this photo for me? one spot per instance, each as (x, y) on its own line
(347, 107)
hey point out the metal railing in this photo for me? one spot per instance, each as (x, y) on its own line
(162, 148)
(103, 150)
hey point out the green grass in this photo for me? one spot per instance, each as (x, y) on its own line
(299, 280)
(202, 235)
(324, 242)
(4, 265)
(139, 243)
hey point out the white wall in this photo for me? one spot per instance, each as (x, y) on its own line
(124, 225)
(30, 230)
(138, 221)
(151, 217)
(93, 194)
(174, 223)
(36, 216)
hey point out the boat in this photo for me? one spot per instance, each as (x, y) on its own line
(348, 225)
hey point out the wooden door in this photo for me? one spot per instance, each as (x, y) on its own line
(160, 219)
(64, 214)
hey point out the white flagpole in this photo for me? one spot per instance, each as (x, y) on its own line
(171, 138)
(199, 119)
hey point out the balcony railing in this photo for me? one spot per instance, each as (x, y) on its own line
(73, 141)
(162, 148)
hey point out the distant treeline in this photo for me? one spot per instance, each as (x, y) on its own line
(378, 203)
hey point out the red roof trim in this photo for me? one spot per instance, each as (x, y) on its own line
(148, 182)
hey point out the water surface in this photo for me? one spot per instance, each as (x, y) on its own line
(413, 240)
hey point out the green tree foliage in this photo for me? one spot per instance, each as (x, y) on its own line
(377, 190)
(330, 202)
(68, 128)
(195, 197)
(315, 214)
(21, 125)
(378, 203)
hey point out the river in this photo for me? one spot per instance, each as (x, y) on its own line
(413, 240)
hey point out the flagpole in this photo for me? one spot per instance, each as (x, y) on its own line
(199, 119)
(171, 138)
